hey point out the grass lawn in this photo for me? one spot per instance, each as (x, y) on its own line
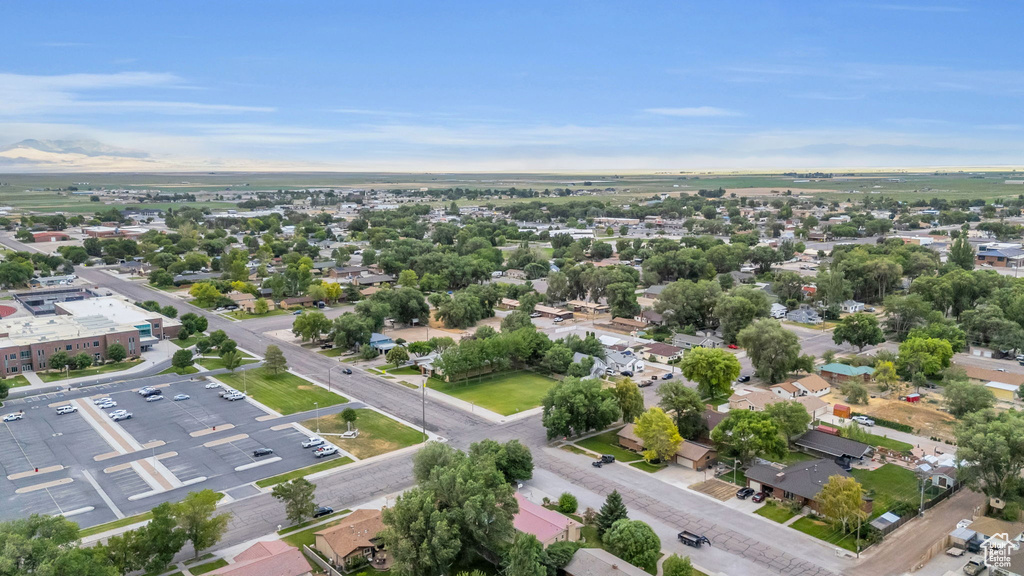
(209, 567)
(377, 433)
(186, 343)
(792, 457)
(302, 472)
(889, 484)
(181, 371)
(740, 477)
(773, 511)
(506, 393)
(115, 524)
(889, 443)
(243, 315)
(286, 393)
(405, 371)
(648, 467)
(314, 521)
(16, 381)
(93, 371)
(608, 443)
(332, 352)
(217, 363)
(822, 531)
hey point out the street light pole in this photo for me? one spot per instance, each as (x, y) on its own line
(423, 402)
(317, 404)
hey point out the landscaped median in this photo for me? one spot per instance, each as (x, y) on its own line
(285, 393)
(506, 393)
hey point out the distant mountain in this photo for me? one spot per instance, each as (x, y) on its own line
(90, 148)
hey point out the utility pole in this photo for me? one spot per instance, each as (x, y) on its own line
(423, 402)
(317, 405)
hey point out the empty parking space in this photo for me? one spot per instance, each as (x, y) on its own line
(126, 481)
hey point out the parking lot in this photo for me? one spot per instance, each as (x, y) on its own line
(93, 469)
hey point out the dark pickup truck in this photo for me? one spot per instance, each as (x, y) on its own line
(691, 539)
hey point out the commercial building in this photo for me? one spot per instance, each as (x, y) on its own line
(41, 302)
(152, 326)
(27, 344)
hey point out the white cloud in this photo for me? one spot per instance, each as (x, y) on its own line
(693, 112)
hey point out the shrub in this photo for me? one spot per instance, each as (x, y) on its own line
(567, 503)
(888, 423)
(1011, 513)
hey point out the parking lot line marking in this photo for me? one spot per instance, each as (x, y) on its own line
(44, 486)
(118, 439)
(106, 499)
(153, 386)
(266, 417)
(15, 438)
(164, 473)
(106, 456)
(149, 476)
(56, 404)
(227, 440)
(211, 430)
(21, 475)
(257, 464)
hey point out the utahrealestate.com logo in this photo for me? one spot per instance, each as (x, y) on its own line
(999, 550)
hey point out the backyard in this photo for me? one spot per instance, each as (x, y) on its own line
(378, 434)
(285, 393)
(888, 485)
(505, 393)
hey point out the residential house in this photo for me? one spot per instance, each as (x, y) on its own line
(663, 353)
(827, 445)
(1000, 257)
(692, 455)
(517, 274)
(698, 340)
(812, 385)
(778, 311)
(650, 317)
(133, 267)
(599, 368)
(265, 558)
(839, 374)
(508, 304)
(976, 375)
(1002, 391)
(193, 277)
(624, 361)
(757, 400)
(295, 302)
(598, 562)
(588, 308)
(376, 280)
(801, 482)
(50, 281)
(941, 476)
(353, 537)
(547, 525)
(710, 418)
(654, 292)
(804, 315)
(347, 272)
(551, 312)
(381, 343)
(851, 306)
(628, 324)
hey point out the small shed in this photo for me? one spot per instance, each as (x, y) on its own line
(1002, 391)
(842, 411)
(913, 397)
(885, 523)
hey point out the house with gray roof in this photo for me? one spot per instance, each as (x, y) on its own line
(597, 370)
(827, 445)
(804, 315)
(598, 562)
(699, 340)
(801, 482)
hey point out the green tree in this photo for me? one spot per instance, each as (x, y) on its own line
(860, 329)
(611, 512)
(194, 323)
(59, 360)
(686, 407)
(961, 253)
(856, 393)
(886, 376)
(684, 303)
(676, 565)
(575, 406)
(926, 355)
(635, 542)
(745, 434)
(558, 555)
(962, 398)
(659, 433)
(182, 359)
(274, 360)
(260, 306)
(567, 503)
(630, 399)
(713, 369)
(790, 416)
(842, 501)
(408, 279)
(82, 361)
(311, 325)
(525, 557)
(349, 417)
(557, 359)
(990, 447)
(298, 497)
(162, 537)
(231, 360)
(622, 299)
(397, 356)
(196, 517)
(116, 352)
(513, 459)
(515, 320)
(205, 294)
(773, 350)
(739, 307)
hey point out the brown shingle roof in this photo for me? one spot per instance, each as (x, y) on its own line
(356, 531)
(977, 373)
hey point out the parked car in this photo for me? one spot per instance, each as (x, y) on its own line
(732, 347)
(180, 397)
(312, 441)
(974, 566)
(869, 308)
(626, 372)
(667, 376)
(324, 451)
(117, 413)
(759, 497)
(13, 416)
(104, 400)
(327, 346)
(323, 511)
(154, 397)
(107, 405)
(146, 390)
(149, 392)
(534, 314)
(233, 397)
(597, 463)
(557, 320)
(863, 421)
(645, 384)
(122, 416)
(607, 458)
(212, 385)
(297, 312)
(66, 410)
(350, 434)
(346, 371)
(744, 493)
(262, 452)
(744, 378)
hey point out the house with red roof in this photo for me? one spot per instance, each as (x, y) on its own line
(272, 558)
(547, 525)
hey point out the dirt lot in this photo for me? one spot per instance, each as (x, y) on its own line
(923, 416)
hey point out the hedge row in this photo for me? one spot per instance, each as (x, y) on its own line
(888, 423)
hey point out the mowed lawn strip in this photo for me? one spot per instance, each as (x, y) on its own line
(875, 440)
(93, 371)
(377, 433)
(608, 443)
(285, 393)
(121, 523)
(302, 472)
(217, 363)
(505, 394)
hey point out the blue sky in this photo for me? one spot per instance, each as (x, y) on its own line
(587, 85)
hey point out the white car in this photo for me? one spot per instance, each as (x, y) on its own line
(234, 397)
(154, 398)
(66, 410)
(312, 441)
(117, 413)
(13, 417)
(863, 421)
(122, 416)
(212, 385)
(180, 397)
(325, 451)
(99, 401)
(107, 404)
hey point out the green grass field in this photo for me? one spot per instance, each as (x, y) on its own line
(120, 523)
(608, 443)
(792, 457)
(16, 381)
(332, 352)
(209, 566)
(302, 472)
(93, 371)
(648, 467)
(243, 315)
(888, 485)
(773, 511)
(506, 393)
(217, 363)
(186, 343)
(889, 443)
(181, 371)
(822, 531)
(406, 371)
(378, 434)
(285, 393)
